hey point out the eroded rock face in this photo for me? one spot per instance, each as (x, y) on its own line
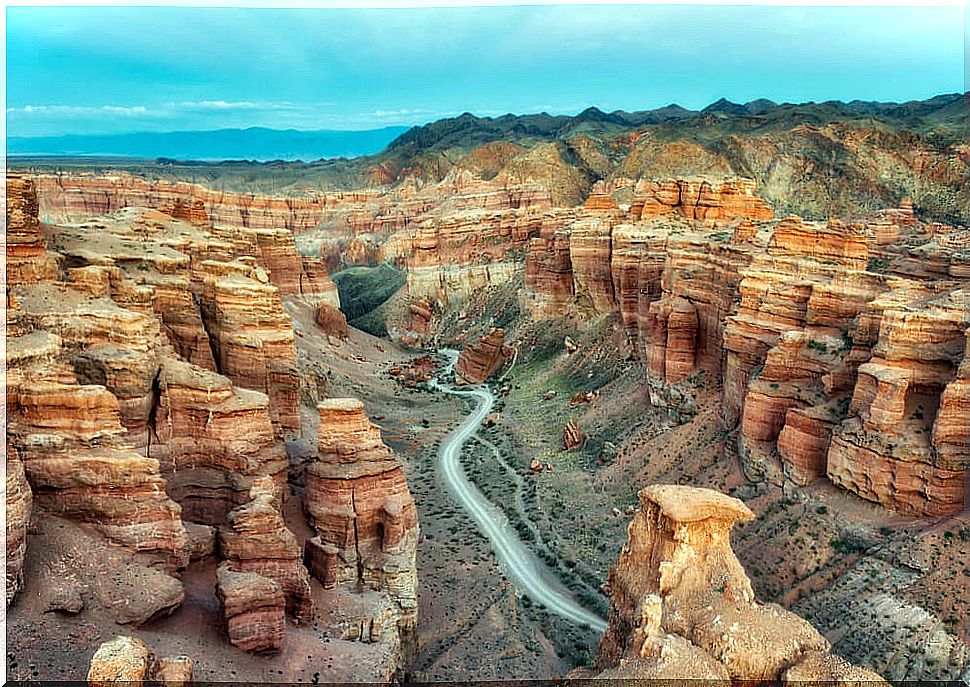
(254, 608)
(699, 198)
(67, 198)
(829, 376)
(682, 606)
(834, 342)
(27, 258)
(479, 361)
(151, 378)
(253, 338)
(572, 435)
(895, 448)
(255, 539)
(358, 503)
(18, 507)
(76, 456)
(213, 440)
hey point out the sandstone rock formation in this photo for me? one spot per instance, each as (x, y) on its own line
(480, 360)
(699, 198)
(18, 508)
(254, 609)
(804, 323)
(152, 377)
(213, 441)
(123, 659)
(127, 660)
(76, 458)
(253, 338)
(27, 258)
(358, 503)
(572, 435)
(332, 321)
(682, 606)
(255, 539)
(68, 198)
(892, 449)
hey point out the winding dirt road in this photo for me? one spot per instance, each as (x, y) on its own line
(523, 568)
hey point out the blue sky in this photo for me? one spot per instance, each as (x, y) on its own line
(116, 69)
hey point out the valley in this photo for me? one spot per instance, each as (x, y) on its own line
(497, 412)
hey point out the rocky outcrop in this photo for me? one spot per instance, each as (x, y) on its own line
(683, 608)
(332, 322)
(107, 345)
(254, 610)
(600, 201)
(27, 258)
(358, 503)
(482, 359)
(672, 329)
(70, 198)
(18, 502)
(316, 287)
(252, 336)
(76, 456)
(192, 211)
(256, 540)
(572, 435)
(895, 448)
(213, 440)
(127, 660)
(549, 273)
(699, 198)
(421, 311)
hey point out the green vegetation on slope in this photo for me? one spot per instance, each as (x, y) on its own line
(363, 289)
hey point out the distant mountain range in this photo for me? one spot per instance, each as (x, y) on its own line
(256, 143)
(817, 159)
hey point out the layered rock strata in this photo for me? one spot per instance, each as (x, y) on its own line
(214, 440)
(698, 198)
(254, 610)
(480, 360)
(253, 337)
(358, 503)
(76, 456)
(807, 325)
(27, 258)
(256, 540)
(19, 500)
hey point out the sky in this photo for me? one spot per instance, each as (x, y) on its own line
(94, 70)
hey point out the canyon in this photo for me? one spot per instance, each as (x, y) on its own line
(231, 424)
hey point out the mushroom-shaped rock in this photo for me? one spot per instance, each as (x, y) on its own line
(678, 591)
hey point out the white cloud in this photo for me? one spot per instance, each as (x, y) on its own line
(82, 110)
(223, 105)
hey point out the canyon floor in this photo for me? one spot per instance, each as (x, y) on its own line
(180, 358)
(472, 620)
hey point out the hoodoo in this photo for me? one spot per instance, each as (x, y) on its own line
(682, 606)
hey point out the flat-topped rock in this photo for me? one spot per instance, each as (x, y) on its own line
(682, 503)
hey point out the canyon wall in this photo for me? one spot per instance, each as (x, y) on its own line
(152, 379)
(838, 345)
